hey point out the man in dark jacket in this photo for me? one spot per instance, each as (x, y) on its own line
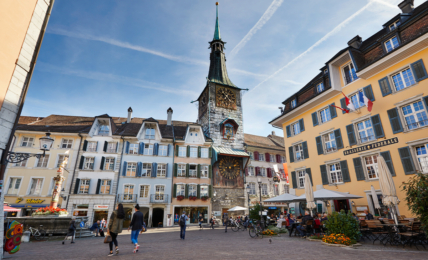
(369, 216)
(136, 225)
(303, 224)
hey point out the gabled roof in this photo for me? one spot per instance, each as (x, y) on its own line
(264, 142)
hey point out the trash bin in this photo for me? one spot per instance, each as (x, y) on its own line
(26, 236)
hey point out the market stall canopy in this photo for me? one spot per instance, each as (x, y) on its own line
(237, 208)
(324, 194)
(10, 209)
(286, 197)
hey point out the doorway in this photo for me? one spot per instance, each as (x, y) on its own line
(341, 204)
(128, 216)
(100, 215)
(157, 217)
(145, 212)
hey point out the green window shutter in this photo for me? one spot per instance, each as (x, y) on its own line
(294, 180)
(176, 150)
(188, 151)
(198, 190)
(82, 161)
(345, 171)
(187, 170)
(359, 171)
(377, 126)
(288, 129)
(338, 137)
(333, 112)
(324, 177)
(210, 191)
(351, 135)
(175, 170)
(291, 153)
(407, 160)
(76, 186)
(210, 169)
(97, 191)
(305, 150)
(426, 102)
(395, 121)
(174, 193)
(199, 171)
(309, 172)
(320, 148)
(210, 150)
(385, 88)
(186, 193)
(315, 119)
(368, 92)
(85, 145)
(199, 152)
(105, 146)
(103, 160)
(343, 105)
(419, 71)
(302, 125)
(387, 156)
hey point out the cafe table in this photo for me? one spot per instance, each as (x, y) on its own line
(393, 238)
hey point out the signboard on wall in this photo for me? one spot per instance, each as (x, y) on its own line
(105, 207)
(217, 213)
(371, 146)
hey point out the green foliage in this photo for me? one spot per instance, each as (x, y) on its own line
(254, 212)
(342, 223)
(416, 189)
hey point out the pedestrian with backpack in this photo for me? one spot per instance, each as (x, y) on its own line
(182, 222)
(136, 225)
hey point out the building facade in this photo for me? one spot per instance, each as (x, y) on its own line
(339, 150)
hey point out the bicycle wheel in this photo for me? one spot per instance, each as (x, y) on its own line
(253, 232)
(234, 227)
(37, 235)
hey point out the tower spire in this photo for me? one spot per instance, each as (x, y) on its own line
(217, 27)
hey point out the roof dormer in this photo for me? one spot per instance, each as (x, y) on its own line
(102, 126)
(194, 135)
(149, 130)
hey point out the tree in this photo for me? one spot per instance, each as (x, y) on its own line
(255, 212)
(416, 189)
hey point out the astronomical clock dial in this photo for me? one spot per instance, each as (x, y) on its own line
(226, 98)
(229, 167)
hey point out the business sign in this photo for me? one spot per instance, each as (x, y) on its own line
(371, 146)
(101, 207)
(271, 207)
(276, 179)
(35, 201)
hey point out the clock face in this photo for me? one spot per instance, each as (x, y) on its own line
(226, 98)
(229, 167)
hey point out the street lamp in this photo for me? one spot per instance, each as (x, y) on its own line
(45, 145)
(248, 196)
(259, 181)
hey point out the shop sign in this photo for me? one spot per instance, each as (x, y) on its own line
(100, 206)
(371, 146)
(35, 201)
(217, 213)
(19, 200)
(271, 207)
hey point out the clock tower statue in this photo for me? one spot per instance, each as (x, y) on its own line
(220, 114)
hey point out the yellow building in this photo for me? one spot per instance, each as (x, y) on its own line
(339, 150)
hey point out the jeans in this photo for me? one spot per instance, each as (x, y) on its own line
(182, 232)
(302, 232)
(113, 240)
(134, 236)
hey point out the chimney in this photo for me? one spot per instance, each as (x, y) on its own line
(273, 132)
(355, 42)
(129, 115)
(169, 118)
(406, 6)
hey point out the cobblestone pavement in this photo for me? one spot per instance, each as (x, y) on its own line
(209, 244)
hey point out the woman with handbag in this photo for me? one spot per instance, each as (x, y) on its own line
(115, 226)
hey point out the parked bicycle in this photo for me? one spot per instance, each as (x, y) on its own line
(38, 234)
(255, 230)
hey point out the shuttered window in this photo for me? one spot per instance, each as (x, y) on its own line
(335, 173)
(422, 157)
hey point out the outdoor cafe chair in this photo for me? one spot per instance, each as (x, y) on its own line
(365, 231)
(414, 236)
(376, 230)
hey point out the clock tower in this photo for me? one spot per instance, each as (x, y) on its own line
(220, 114)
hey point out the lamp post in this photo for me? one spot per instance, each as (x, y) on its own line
(259, 181)
(45, 145)
(248, 196)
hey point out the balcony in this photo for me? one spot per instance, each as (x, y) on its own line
(159, 198)
(126, 198)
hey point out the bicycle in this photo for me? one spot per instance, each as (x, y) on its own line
(255, 230)
(37, 234)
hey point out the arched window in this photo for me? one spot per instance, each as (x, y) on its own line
(228, 131)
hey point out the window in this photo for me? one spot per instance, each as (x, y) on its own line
(21, 164)
(204, 171)
(250, 171)
(204, 152)
(147, 170)
(301, 178)
(89, 163)
(365, 131)
(371, 166)
(403, 79)
(128, 192)
(84, 186)
(275, 190)
(264, 189)
(144, 191)
(163, 150)
(356, 101)
(325, 115)
(329, 142)
(36, 186)
(161, 172)
(14, 186)
(320, 87)
(181, 170)
(109, 164)
(66, 143)
(61, 159)
(111, 147)
(251, 155)
(228, 131)
(204, 191)
(415, 115)
(105, 187)
(131, 169)
(43, 161)
(283, 159)
(295, 128)
(286, 188)
(422, 157)
(335, 173)
(394, 25)
(27, 141)
(181, 190)
(272, 158)
(252, 188)
(391, 44)
(104, 130)
(349, 73)
(298, 152)
(293, 103)
(160, 190)
(52, 186)
(192, 171)
(133, 148)
(92, 146)
(148, 149)
(263, 172)
(150, 133)
(192, 190)
(182, 152)
(194, 152)
(261, 157)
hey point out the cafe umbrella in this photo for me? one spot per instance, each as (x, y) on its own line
(309, 192)
(375, 200)
(387, 187)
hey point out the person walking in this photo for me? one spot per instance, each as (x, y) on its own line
(201, 219)
(103, 223)
(225, 222)
(136, 225)
(115, 226)
(71, 231)
(212, 222)
(182, 222)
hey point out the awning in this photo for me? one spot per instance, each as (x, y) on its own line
(237, 208)
(10, 209)
(286, 197)
(324, 194)
(231, 152)
(29, 205)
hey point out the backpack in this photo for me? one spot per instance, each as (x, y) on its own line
(182, 221)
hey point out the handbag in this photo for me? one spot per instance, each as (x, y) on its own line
(107, 239)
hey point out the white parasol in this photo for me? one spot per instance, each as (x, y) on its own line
(310, 202)
(387, 186)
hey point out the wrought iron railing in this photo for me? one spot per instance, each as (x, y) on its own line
(159, 198)
(127, 197)
(331, 149)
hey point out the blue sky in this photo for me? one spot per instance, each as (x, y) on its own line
(103, 56)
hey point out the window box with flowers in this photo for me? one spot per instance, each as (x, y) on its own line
(204, 198)
(192, 198)
(180, 197)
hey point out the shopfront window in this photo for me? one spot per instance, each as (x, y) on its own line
(193, 213)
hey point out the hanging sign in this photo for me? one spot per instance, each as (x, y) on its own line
(371, 146)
